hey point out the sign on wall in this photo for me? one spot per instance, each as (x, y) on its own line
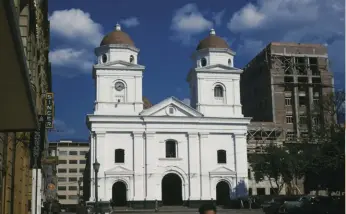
(49, 110)
(37, 139)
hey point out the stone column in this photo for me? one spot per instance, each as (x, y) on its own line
(138, 166)
(204, 174)
(194, 167)
(241, 163)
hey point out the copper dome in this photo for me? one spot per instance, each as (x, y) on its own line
(117, 37)
(212, 41)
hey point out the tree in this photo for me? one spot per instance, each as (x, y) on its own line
(279, 164)
(326, 170)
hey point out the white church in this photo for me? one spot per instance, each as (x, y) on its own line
(168, 153)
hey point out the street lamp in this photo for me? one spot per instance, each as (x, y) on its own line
(96, 168)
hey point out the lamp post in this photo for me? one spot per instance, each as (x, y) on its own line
(96, 168)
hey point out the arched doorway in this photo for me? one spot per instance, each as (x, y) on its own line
(119, 191)
(222, 193)
(171, 190)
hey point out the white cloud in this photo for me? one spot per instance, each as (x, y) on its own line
(217, 17)
(186, 101)
(130, 22)
(305, 21)
(62, 129)
(72, 58)
(187, 22)
(76, 25)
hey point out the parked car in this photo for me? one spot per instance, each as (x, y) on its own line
(311, 205)
(272, 207)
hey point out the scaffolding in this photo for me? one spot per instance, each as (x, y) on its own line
(294, 65)
(260, 135)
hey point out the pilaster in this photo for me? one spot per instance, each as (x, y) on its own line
(194, 166)
(149, 166)
(138, 165)
(100, 148)
(241, 163)
(204, 174)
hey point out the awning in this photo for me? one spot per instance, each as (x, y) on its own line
(17, 110)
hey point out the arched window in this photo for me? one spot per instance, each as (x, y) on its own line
(218, 91)
(132, 59)
(171, 149)
(221, 156)
(203, 62)
(119, 156)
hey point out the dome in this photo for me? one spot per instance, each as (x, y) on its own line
(117, 37)
(146, 103)
(212, 41)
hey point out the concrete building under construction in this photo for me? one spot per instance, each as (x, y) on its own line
(280, 89)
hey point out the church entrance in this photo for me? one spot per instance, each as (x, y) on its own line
(119, 194)
(171, 190)
(222, 193)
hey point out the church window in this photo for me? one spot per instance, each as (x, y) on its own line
(218, 91)
(104, 58)
(221, 156)
(119, 156)
(229, 62)
(171, 149)
(203, 62)
(132, 58)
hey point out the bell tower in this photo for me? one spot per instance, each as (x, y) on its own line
(213, 80)
(118, 75)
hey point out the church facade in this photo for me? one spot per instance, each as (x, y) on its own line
(169, 153)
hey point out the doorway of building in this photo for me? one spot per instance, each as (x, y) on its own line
(171, 190)
(222, 193)
(119, 191)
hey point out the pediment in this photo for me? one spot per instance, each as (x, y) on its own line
(119, 170)
(171, 107)
(119, 64)
(222, 171)
(220, 68)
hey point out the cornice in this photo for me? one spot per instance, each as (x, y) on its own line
(169, 119)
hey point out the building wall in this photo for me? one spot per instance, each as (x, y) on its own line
(72, 161)
(293, 78)
(145, 162)
(16, 172)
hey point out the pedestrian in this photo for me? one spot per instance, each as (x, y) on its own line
(207, 209)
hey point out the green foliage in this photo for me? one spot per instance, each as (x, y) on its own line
(280, 163)
(326, 169)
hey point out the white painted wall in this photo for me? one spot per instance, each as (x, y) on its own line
(197, 157)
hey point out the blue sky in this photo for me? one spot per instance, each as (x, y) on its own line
(167, 32)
